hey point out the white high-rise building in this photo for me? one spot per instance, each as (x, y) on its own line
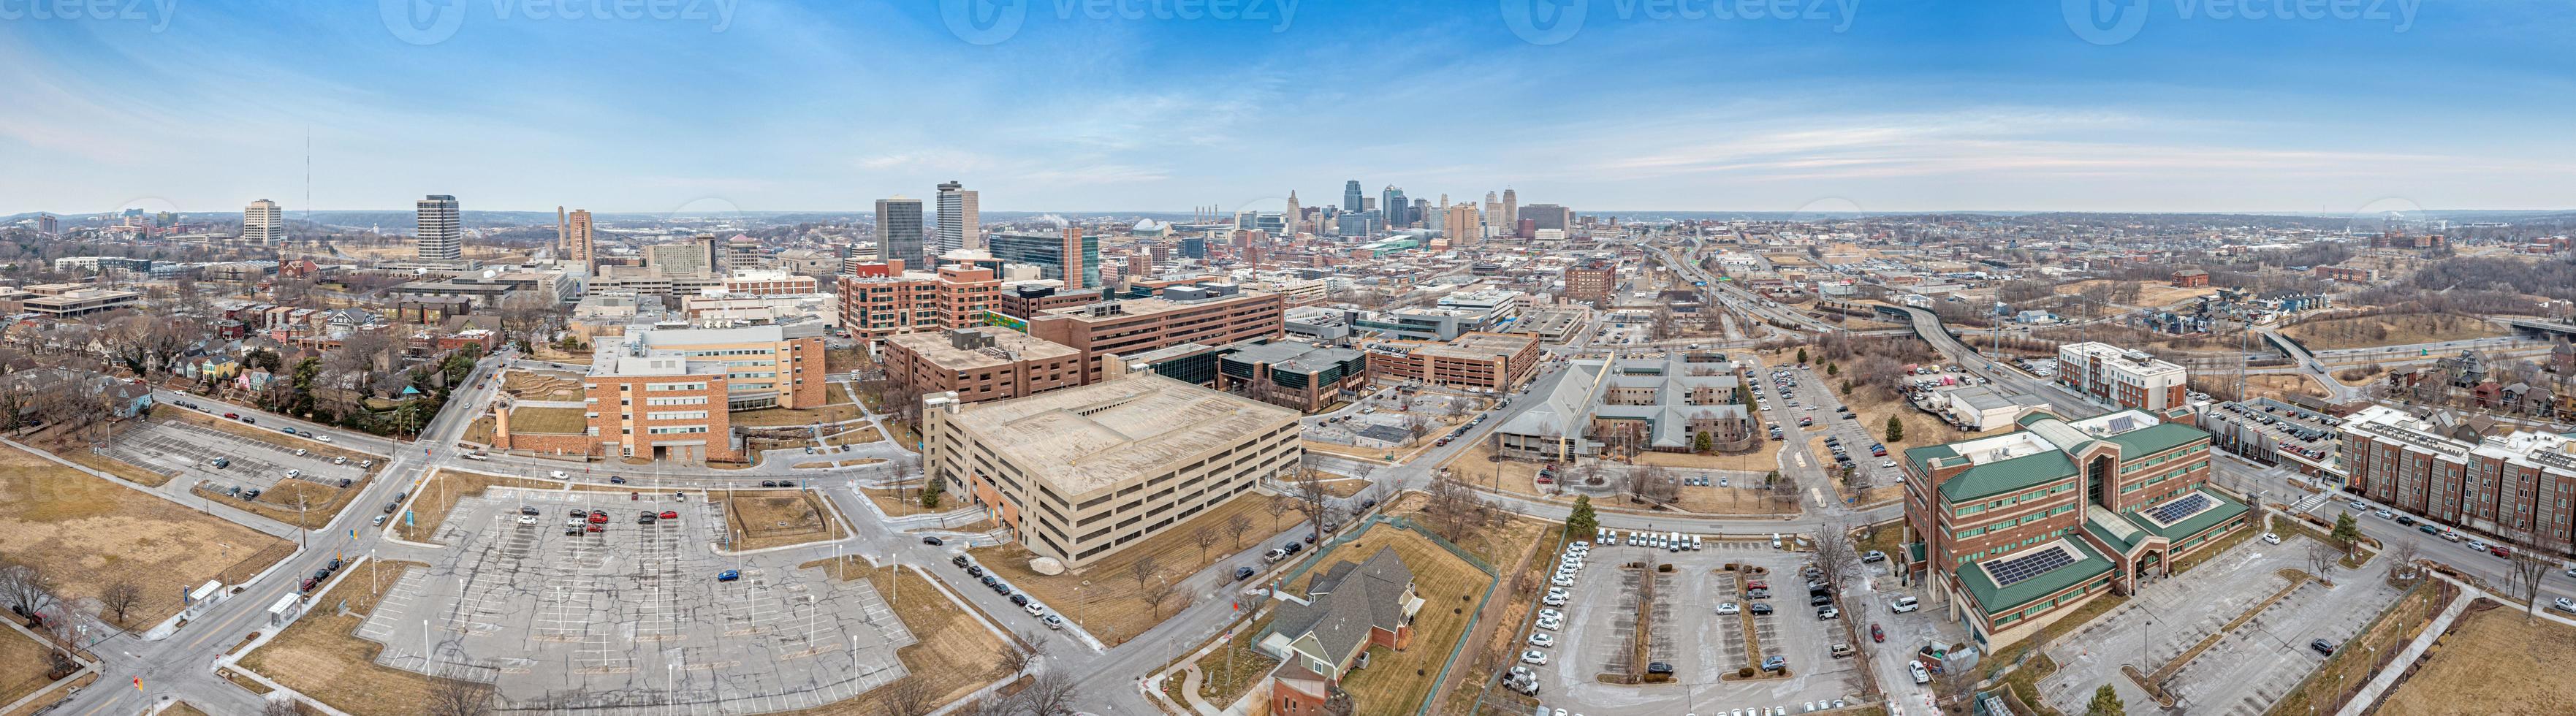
(960, 223)
(1511, 218)
(263, 222)
(442, 229)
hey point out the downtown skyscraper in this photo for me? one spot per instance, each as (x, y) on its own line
(899, 230)
(1351, 195)
(1392, 208)
(961, 224)
(263, 223)
(441, 229)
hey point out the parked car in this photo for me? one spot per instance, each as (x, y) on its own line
(1775, 663)
(2269, 538)
(1921, 675)
(728, 575)
(1243, 573)
(1903, 604)
(670, 514)
(1876, 634)
(1542, 640)
(2323, 647)
(1534, 656)
(933, 541)
(1874, 556)
(1727, 608)
(1759, 608)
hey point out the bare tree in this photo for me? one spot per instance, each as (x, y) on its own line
(1416, 425)
(2525, 570)
(1236, 525)
(1142, 570)
(1311, 499)
(2322, 557)
(22, 589)
(458, 697)
(1205, 537)
(1452, 509)
(119, 598)
(2401, 556)
(1836, 554)
(907, 697)
(1051, 694)
(1027, 649)
(1161, 591)
(1277, 509)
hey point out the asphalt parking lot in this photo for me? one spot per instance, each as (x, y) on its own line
(630, 617)
(1704, 648)
(187, 449)
(2246, 670)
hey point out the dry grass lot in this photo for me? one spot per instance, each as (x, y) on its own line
(2388, 330)
(1364, 453)
(548, 354)
(23, 665)
(1520, 477)
(860, 435)
(2493, 662)
(1221, 683)
(820, 464)
(88, 533)
(120, 468)
(2282, 385)
(953, 655)
(1111, 607)
(440, 493)
(1398, 682)
(2150, 293)
(771, 518)
(552, 421)
(906, 501)
(57, 696)
(322, 656)
(1921, 428)
(182, 709)
(293, 502)
(1497, 639)
(478, 432)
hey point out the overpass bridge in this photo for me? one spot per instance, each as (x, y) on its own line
(2541, 329)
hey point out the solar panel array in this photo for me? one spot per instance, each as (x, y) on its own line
(2555, 459)
(2122, 424)
(2190, 504)
(2013, 571)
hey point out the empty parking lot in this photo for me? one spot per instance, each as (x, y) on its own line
(189, 450)
(632, 617)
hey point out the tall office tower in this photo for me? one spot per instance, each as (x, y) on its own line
(441, 229)
(1418, 215)
(960, 223)
(1548, 216)
(1460, 225)
(1351, 195)
(1368, 203)
(1391, 206)
(263, 223)
(1493, 208)
(578, 249)
(1511, 209)
(899, 229)
(1071, 256)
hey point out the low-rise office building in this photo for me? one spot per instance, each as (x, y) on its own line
(2015, 531)
(981, 363)
(882, 300)
(2133, 379)
(1079, 473)
(1492, 361)
(1215, 314)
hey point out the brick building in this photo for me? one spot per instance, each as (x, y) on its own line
(2517, 486)
(981, 363)
(1494, 361)
(1215, 314)
(881, 299)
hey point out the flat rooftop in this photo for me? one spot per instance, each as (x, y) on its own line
(1089, 437)
(1008, 345)
(1131, 307)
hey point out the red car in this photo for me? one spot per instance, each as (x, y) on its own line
(1757, 584)
(232, 416)
(669, 515)
(1876, 635)
(592, 528)
(2501, 551)
(599, 518)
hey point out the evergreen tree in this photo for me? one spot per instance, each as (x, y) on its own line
(1895, 430)
(1581, 523)
(1802, 355)
(2346, 532)
(2106, 702)
(1833, 370)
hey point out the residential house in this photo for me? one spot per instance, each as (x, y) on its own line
(1321, 636)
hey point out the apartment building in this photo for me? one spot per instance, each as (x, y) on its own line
(981, 363)
(762, 366)
(1591, 279)
(1079, 473)
(2133, 379)
(881, 300)
(1212, 314)
(2516, 486)
(2017, 530)
(1493, 361)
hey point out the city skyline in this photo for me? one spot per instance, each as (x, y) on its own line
(1902, 109)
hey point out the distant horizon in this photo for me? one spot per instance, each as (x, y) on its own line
(296, 214)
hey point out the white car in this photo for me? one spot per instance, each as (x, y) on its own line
(559, 475)
(1887, 463)
(2269, 538)
(1562, 581)
(1553, 599)
(323, 438)
(1550, 614)
(527, 519)
(1542, 640)
(1921, 675)
(1728, 608)
(1534, 656)
(1551, 623)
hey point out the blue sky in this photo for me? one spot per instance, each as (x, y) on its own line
(699, 106)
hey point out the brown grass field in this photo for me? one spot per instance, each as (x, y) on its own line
(2387, 330)
(1398, 682)
(2150, 293)
(768, 518)
(322, 656)
(320, 502)
(542, 385)
(2492, 662)
(1111, 608)
(552, 421)
(182, 709)
(23, 666)
(953, 655)
(87, 533)
(57, 697)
